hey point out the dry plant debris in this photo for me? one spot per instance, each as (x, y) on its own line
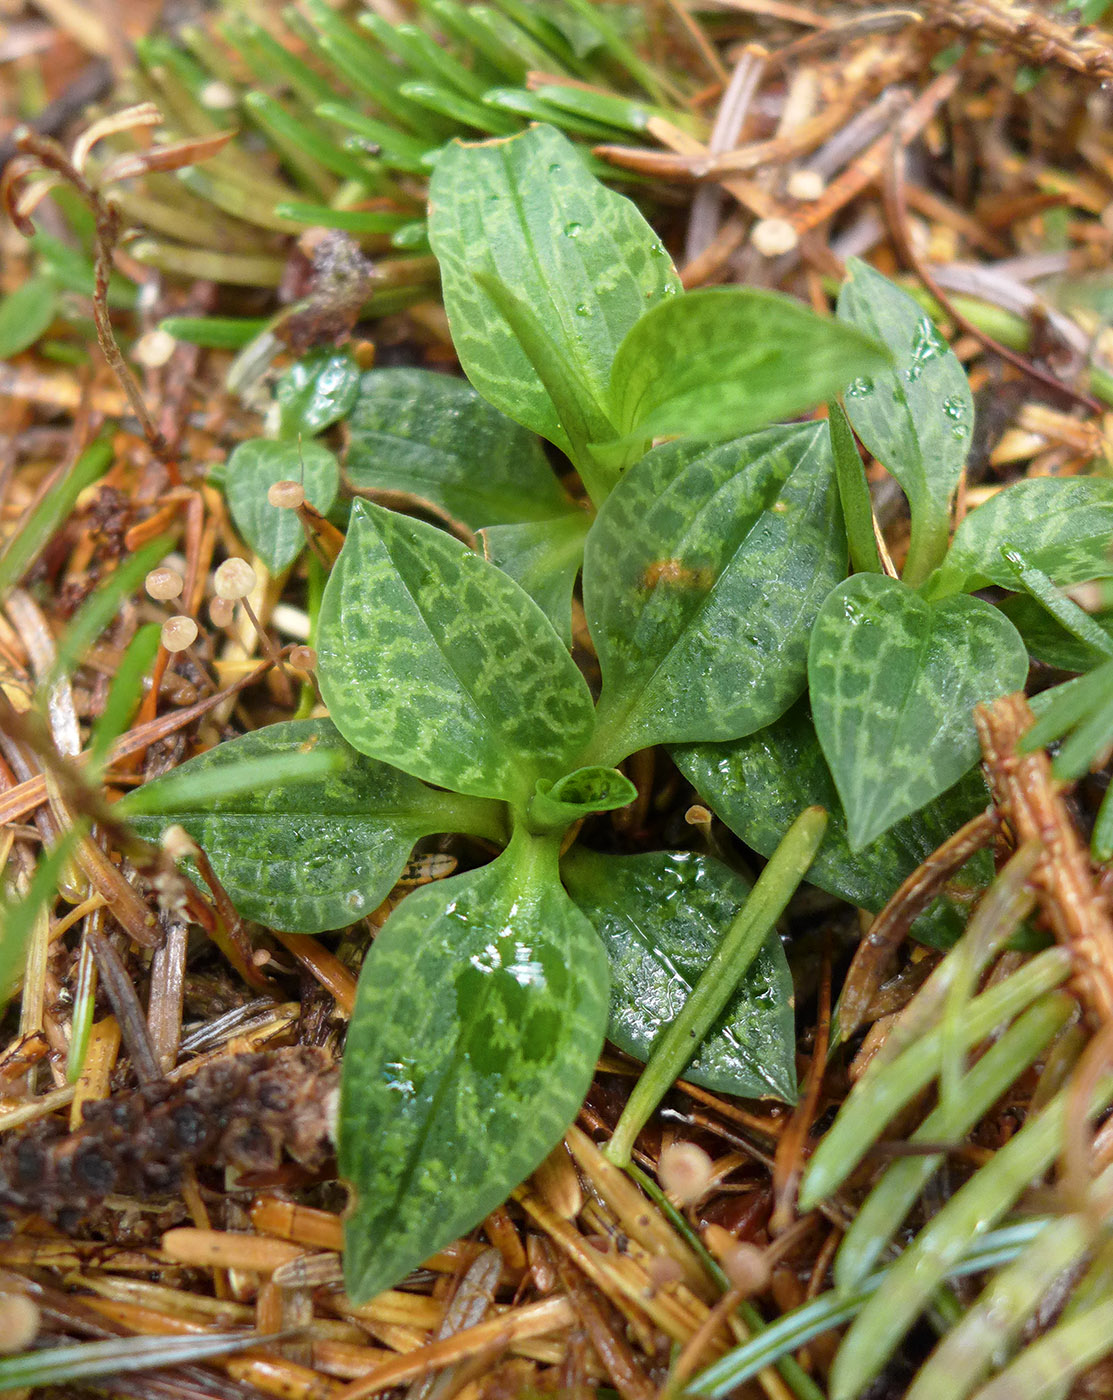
(182, 1185)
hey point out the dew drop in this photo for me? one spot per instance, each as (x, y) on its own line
(850, 611)
(860, 389)
(927, 345)
(555, 168)
(583, 309)
(573, 230)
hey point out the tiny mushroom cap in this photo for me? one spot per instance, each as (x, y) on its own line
(772, 237)
(805, 184)
(234, 579)
(685, 1171)
(222, 611)
(177, 842)
(747, 1266)
(154, 348)
(303, 658)
(19, 1321)
(163, 583)
(287, 494)
(179, 632)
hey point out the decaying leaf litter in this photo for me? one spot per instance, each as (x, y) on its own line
(979, 170)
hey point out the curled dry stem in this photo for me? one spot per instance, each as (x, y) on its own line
(44, 157)
(873, 960)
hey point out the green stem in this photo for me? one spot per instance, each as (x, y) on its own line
(931, 534)
(474, 816)
(753, 925)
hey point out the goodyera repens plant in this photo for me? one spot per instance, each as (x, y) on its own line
(715, 592)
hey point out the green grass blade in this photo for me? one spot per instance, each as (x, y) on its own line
(195, 789)
(877, 1098)
(17, 916)
(1063, 609)
(29, 542)
(913, 1279)
(101, 607)
(123, 697)
(895, 1194)
(803, 1324)
(991, 1325)
(1045, 1366)
(854, 492)
(93, 1360)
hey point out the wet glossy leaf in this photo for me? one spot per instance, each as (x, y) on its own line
(918, 417)
(273, 532)
(544, 557)
(893, 681)
(434, 660)
(1048, 640)
(315, 392)
(702, 575)
(661, 916)
(758, 784)
(1062, 525)
(478, 1020)
(727, 360)
(310, 856)
(527, 212)
(436, 438)
(25, 314)
(555, 806)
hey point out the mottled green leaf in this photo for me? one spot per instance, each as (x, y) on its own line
(661, 916)
(25, 314)
(435, 437)
(1054, 601)
(894, 680)
(319, 855)
(758, 784)
(555, 806)
(1062, 525)
(432, 659)
(273, 532)
(315, 392)
(582, 420)
(1048, 640)
(478, 1020)
(527, 212)
(702, 575)
(916, 418)
(544, 557)
(727, 360)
